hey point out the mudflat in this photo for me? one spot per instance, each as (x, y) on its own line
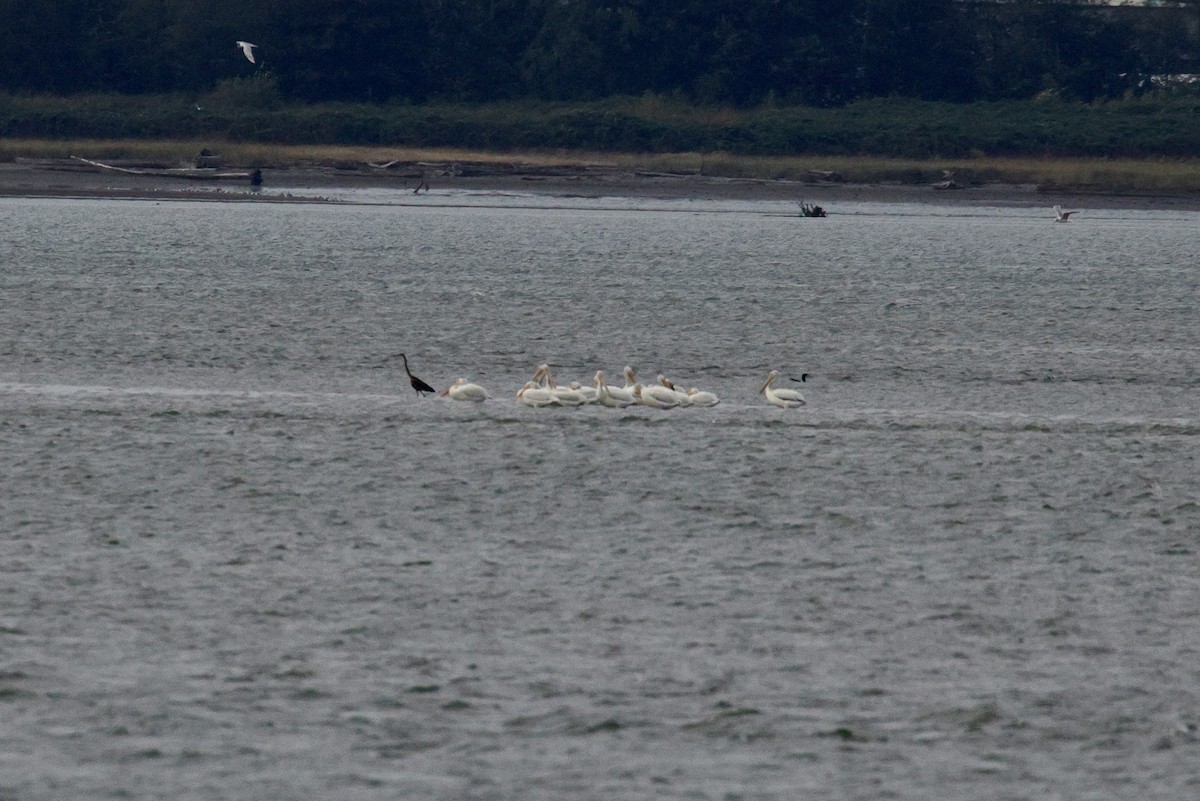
(305, 182)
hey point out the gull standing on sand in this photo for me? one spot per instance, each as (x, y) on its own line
(247, 50)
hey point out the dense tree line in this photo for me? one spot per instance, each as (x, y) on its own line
(739, 52)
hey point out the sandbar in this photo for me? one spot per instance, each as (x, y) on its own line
(307, 183)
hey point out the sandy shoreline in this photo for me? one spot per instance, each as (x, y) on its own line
(305, 183)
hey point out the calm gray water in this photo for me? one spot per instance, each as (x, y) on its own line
(240, 559)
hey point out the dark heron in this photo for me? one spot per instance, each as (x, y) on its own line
(417, 384)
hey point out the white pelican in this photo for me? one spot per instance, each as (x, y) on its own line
(630, 379)
(656, 396)
(462, 391)
(614, 397)
(568, 397)
(698, 398)
(248, 50)
(681, 396)
(783, 398)
(564, 395)
(533, 395)
(590, 394)
(542, 378)
(1060, 215)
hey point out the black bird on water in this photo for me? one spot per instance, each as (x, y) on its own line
(417, 384)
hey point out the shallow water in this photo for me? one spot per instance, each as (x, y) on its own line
(241, 559)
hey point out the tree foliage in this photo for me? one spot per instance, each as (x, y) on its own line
(733, 52)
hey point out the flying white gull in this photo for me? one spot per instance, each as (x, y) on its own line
(248, 50)
(1060, 215)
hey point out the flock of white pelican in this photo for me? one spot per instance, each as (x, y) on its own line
(542, 391)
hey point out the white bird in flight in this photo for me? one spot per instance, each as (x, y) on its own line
(247, 50)
(1060, 215)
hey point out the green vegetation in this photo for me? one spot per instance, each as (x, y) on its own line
(249, 112)
(1049, 91)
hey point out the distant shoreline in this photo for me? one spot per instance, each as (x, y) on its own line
(304, 183)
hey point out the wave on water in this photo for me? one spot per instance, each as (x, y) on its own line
(196, 393)
(728, 415)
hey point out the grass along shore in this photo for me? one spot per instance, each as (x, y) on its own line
(1094, 175)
